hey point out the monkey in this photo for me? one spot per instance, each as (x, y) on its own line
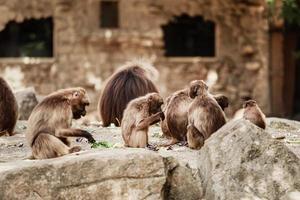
(49, 124)
(133, 80)
(139, 114)
(205, 115)
(8, 109)
(253, 113)
(176, 115)
(222, 100)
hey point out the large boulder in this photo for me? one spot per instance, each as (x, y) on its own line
(113, 174)
(27, 100)
(242, 161)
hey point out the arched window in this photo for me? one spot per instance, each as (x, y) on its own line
(31, 38)
(189, 36)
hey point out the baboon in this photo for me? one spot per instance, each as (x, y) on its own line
(129, 82)
(8, 109)
(49, 124)
(254, 114)
(205, 115)
(139, 114)
(176, 113)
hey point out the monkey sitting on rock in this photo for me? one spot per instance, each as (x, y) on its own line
(139, 114)
(254, 114)
(49, 124)
(205, 115)
(176, 109)
(8, 109)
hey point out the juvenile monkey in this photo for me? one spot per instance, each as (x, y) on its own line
(254, 114)
(139, 114)
(8, 109)
(205, 116)
(49, 124)
(176, 113)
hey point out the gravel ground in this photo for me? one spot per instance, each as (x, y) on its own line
(16, 148)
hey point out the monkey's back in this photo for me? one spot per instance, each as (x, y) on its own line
(256, 116)
(123, 86)
(206, 115)
(50, 114)
(8, 108)
(133, 114)
(177, 114)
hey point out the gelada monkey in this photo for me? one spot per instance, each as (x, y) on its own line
(205, 115)
(49, 124)
(254, 114)
(176, 111)
(139, 114)
(133, 80)
(8, 109)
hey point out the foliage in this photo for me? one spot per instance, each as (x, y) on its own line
(291, 12)
(101, 144)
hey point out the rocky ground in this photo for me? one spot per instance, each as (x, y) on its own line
(239, 161)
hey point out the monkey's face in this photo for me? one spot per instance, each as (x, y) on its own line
(79, 101)
(155, 102)
(197, 88)
(249, 104)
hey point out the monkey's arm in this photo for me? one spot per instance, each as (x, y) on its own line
(144, 123)
(72, 132)
(162, 117)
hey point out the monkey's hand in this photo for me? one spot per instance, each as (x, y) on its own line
(89, 137)
(162, 116)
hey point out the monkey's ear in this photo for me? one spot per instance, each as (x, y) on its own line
(150, 99)
(245, 104)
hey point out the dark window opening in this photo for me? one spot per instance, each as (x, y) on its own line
(109, 14)
(189, 36)
(31, 38)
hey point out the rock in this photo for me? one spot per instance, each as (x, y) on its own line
(27, 100)
(182, 181)
(248, 50)
(253, 66)
(111, 174)
(176, 170)
(242, 161)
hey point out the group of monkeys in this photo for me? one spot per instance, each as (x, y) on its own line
(129, 99)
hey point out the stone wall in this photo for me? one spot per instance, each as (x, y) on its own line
(85, 54)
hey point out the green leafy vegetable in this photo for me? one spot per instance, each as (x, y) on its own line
(101, 144)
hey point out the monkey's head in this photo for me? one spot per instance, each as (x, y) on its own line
(249, 104)
(78, 100)
(222, 100)
(155, 101)
(197, 87)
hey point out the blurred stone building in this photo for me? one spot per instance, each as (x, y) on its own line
(52, 44)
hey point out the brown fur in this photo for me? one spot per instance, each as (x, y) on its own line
(205, 116)
(8, 109)
(49, 124)
(254, 114)
(138, 116)
(131, 81)
(176, 111)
